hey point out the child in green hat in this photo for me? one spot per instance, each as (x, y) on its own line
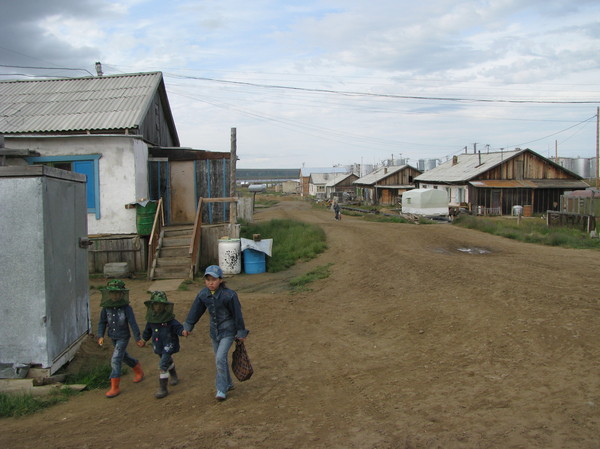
(117, 316)
(165, 331)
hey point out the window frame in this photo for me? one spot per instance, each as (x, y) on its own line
(95, 183)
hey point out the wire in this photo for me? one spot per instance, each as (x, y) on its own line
(368, 94)
(558, 132)
(44, 68)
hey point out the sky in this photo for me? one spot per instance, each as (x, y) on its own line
(324, 83)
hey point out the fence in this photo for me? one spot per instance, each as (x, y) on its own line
(125, 248)
(583, 222)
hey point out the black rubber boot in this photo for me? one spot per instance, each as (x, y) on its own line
(162, 388)
(173, 379)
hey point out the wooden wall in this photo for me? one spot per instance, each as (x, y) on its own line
(117, 248)
(212, 181)
(401, 178)
(526, 166)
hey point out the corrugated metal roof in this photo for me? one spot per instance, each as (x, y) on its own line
(377, 175)
(337, 178)
(76, 104)
(530, 183)
(467, 166)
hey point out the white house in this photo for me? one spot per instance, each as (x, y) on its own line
(102, 127)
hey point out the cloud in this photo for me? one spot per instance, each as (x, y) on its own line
(461, 49)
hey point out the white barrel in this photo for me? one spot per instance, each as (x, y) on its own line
(230, 256)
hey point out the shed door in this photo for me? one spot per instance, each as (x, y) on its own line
(183, 192)
(496, 198)
(386, 196)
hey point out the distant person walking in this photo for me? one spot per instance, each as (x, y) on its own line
(337, 209)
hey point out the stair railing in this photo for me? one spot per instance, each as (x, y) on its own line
(197, 232)
(157, 226)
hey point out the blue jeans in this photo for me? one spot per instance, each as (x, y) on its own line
(221, 349)
(166, 360)
(119, 356)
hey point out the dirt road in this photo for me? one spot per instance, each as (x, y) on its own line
(424, 336)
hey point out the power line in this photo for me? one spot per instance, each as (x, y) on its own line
(368, 94)
(44, 68)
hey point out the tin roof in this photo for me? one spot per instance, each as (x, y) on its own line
(379, 174)
(530, 183)
(76, 104)
(337, 178)
(466, 166)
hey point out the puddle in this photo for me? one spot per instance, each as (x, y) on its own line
(474, 250)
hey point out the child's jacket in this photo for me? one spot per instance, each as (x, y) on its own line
(165, 336)
(118, 320)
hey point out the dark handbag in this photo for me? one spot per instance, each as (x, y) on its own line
(240, 363)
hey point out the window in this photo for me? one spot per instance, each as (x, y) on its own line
(86, 165)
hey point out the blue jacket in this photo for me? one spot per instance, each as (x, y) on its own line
(225, 311)
(165, 336)
(118, 320)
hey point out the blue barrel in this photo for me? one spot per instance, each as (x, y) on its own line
(254, 261)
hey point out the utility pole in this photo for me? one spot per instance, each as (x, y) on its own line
(232, 163)
(597, 147)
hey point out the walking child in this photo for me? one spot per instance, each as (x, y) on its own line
(337, 209)
(164, 330)
(117, 316)
(226, 323)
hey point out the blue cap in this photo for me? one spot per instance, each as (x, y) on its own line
(214, 271)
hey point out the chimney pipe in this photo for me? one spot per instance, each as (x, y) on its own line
(99, 69)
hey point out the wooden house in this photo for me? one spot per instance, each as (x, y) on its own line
(492, 183)
(341, 186)
(386, 185)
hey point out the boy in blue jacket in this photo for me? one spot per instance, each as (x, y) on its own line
(226, 323)
(165, 331)
(117, 316)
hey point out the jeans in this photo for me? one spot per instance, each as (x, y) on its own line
(221, 349)
(119, 356)
(166, 360)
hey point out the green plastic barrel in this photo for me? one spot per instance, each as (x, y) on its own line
(145, 217)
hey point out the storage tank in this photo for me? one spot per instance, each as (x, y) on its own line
(430, 164)
(257, 187)
(581, 166)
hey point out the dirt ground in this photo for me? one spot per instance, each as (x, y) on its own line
(424, 336)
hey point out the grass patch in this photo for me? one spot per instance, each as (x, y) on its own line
(185, 285)
(529, 231)
(21, 404)
(264, 203)
(384, 219)
(95, 378)
(300, 283)
(293, 241)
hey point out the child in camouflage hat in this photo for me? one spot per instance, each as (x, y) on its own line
(165, 331)
(117, 316)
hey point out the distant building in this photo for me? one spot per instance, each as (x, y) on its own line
(492, 183)
(386, 185)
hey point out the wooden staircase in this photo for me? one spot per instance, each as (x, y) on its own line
(172, 259)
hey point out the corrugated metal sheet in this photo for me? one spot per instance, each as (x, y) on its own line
(378, 175)
(76, 104)
(530, 184)
(467, 166)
